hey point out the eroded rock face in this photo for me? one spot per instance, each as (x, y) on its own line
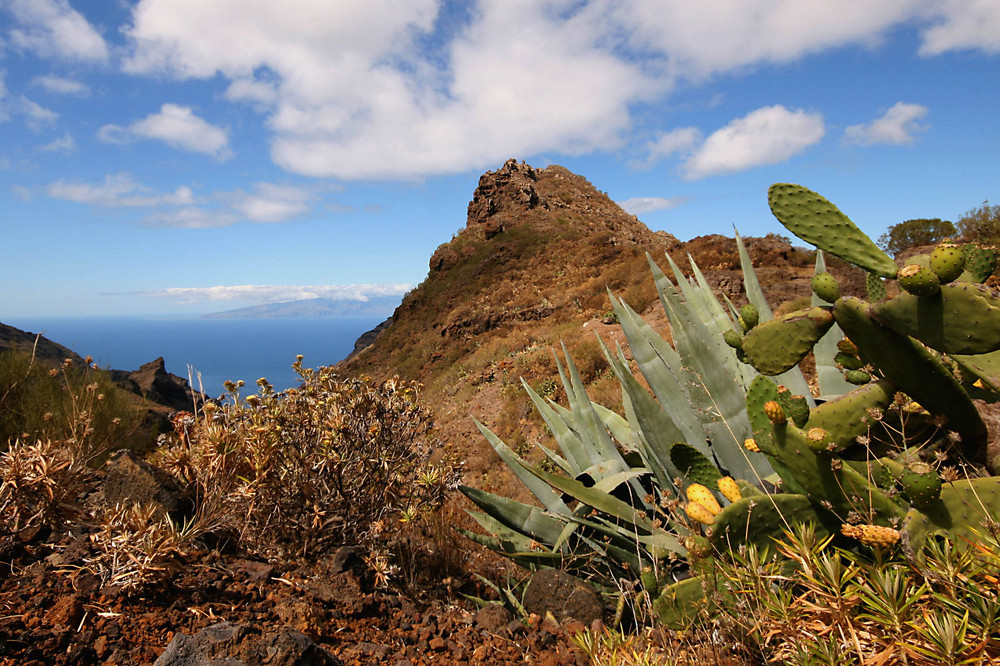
(130, 480)
(152, 381)
(565, 596)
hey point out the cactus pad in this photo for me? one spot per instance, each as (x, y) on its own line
(764, 519)
(980, 262)
(815, 220)
(778, 345)
(692, 463)
(964, 320)
(874, 287)
(963, 513)
(921, 484)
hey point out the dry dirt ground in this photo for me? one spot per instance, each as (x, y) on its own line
(54, 611)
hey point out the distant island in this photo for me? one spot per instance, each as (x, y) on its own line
(375, 307)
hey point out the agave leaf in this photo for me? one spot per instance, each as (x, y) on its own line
(548, 497)
(569, 441)
(526, 519)
(597, 499)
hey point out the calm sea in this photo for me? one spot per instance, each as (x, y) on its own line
(218, 349)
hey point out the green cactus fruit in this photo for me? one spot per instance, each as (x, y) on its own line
(733, 339)
(857, 377)
(963, 513)
(819, 440)
(692, 463)
(649, 580)
(947, 261)
(778, 345)
(964, 320)
(817, 221)
(826, 287)
(980, 262)
(874, 287)
(698, 546)
(919, 281)
(921, 484)
(749, 316)
(848, 347)
(848, 361)
(796, 407)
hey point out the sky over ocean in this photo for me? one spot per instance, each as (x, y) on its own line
(191, 156)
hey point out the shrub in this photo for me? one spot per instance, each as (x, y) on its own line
(981, 224)
(331, 462)
(39, 485)
(912, 233)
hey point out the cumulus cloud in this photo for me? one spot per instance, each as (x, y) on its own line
(641, 205)
(35, 115)
(118, 191)
(61, 86)
(63, 144)
(277, 293)
(962, 25)
(51, 28)
(678, 141)
(896, 126)
(176, 126)
(766, 136)
(271, 203)
(381, 89)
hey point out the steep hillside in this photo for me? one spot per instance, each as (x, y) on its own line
(530, 270)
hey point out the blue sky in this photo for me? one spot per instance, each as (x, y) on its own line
(187, 156)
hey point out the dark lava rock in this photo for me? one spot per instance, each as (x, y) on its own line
(227, 644)
(565, 596)
(131, 480)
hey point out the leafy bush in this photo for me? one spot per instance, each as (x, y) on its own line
(912, 233)
(333, 461)
(981, 224)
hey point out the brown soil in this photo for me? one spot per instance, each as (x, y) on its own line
(53, 610)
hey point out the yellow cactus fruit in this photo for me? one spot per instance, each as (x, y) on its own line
(702, 495)
(775, 413)
(697, 512)
(729, 488)
(750, 444)
(871, 535)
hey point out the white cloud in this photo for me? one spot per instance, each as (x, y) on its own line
(640, 205)
(377, 89)
(51, 28)
(678, 141)
(271, 203)
(118, 191)
(963, 24)
(20, 192)
(766, 136)
(277, 293)
(191, 218)
(63, 144)
(176, 126)
(35, 115)
(896, 126)
(61, 86)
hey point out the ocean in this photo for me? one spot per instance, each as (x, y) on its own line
(217, 349)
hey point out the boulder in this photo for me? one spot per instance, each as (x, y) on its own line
(565, 596)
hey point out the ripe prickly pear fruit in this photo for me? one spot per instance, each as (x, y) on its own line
(697, 512)
(733, 339)
(750, 444)
(921, 484)
(848, 361)
(848, 347)
(857, 377)
(919, 281)
(826, 287)
(947, 261)
(730, 489)
(749, 316)
(702, 495)
(871, 535)
(775, 414)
